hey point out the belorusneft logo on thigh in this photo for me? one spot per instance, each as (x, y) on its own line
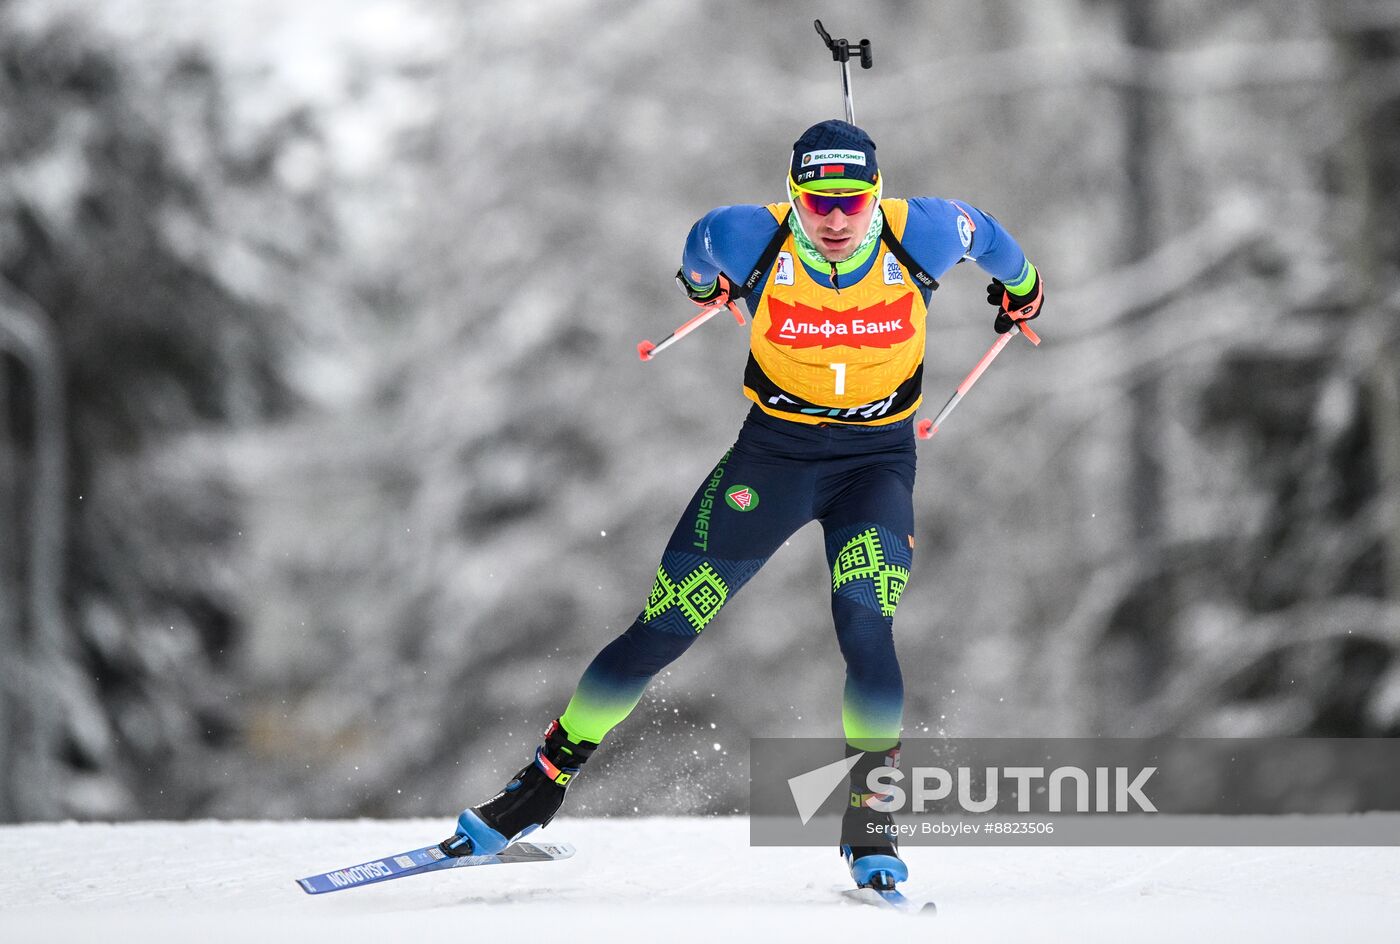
(1078, 791)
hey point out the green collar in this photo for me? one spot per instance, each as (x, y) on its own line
(808, 251)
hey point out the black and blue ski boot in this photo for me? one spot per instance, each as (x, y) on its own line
(528, 802)
(869, 842)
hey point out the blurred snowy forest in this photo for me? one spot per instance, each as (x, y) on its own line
(327, 462)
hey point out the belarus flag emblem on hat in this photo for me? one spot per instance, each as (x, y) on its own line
(833, 170)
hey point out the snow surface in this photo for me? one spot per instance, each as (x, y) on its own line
(664, 879)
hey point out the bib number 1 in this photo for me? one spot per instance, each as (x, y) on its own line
(840, 378)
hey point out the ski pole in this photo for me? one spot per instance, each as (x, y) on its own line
(841, 52)
(646, 350)
(927, 428)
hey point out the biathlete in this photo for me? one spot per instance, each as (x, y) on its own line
(841, 282)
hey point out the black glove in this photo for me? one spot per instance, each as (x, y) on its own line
(716, 293)
(1012, 308)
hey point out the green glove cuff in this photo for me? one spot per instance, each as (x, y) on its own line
(1024, 284)
(698, 295)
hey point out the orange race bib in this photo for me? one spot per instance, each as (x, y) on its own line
(816, 356)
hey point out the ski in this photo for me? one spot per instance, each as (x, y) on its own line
(427, 859)
(891, 900)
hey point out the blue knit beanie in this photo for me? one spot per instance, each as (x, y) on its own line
(834, 150)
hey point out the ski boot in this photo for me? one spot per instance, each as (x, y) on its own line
(528, 802)
(869, 842)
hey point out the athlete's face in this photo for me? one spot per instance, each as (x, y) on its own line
(836, 235)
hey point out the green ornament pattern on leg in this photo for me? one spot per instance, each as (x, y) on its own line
(863, 558)
(699, 596)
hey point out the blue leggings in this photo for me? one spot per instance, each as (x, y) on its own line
(779, 475)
